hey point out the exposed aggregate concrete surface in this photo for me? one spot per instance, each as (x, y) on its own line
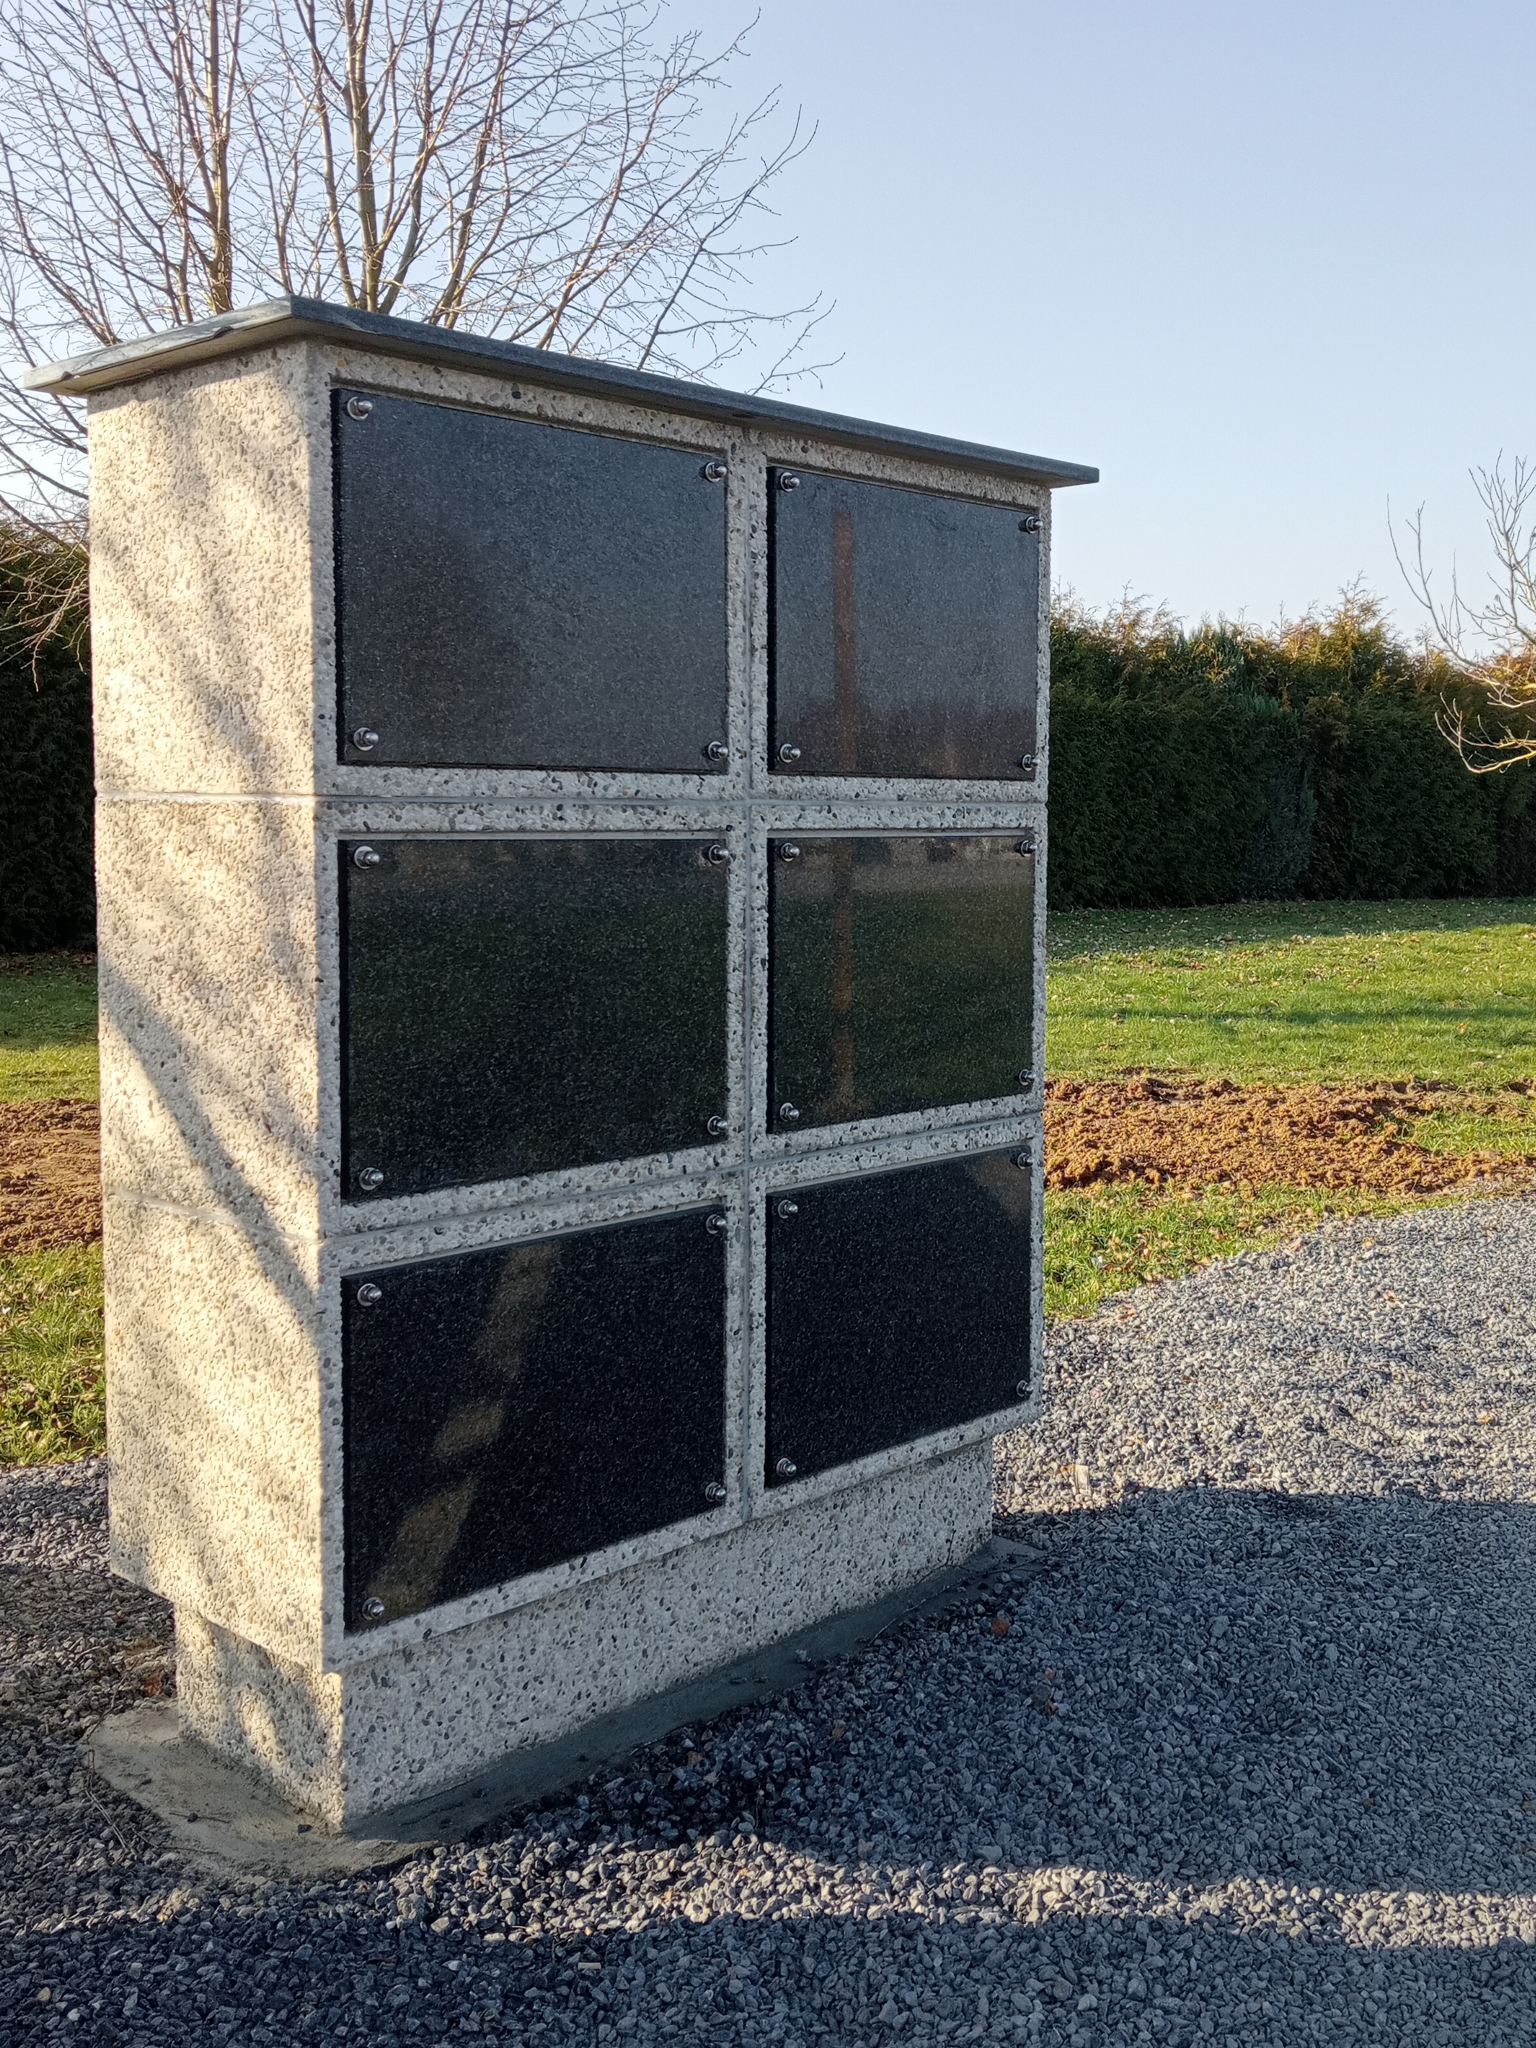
(1253, 1761)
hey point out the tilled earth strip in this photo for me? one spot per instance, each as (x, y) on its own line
(1164, 1132)
(1253, 1762)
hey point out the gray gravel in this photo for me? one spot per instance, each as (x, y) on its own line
(1254, 1762)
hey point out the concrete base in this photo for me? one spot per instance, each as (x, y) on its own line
(394, 1725)
(218, 1811)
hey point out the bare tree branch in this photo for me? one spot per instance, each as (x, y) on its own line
(545, 170)
(1492, 644)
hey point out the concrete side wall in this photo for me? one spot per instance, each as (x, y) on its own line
(415, 1722)
(214, 1337)
(204, 620)
(212, 1004)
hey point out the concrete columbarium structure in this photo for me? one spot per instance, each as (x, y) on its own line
(571, 862)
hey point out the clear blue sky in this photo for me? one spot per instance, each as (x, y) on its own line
(1266, 265)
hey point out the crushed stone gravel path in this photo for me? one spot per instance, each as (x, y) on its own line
(1253, 1763)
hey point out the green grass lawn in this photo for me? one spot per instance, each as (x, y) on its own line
(1441, 992)
(1298, 992)
(48, 1027)
(51, 1399)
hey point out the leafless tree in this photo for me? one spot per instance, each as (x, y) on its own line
(543, 170)
(1492, 643)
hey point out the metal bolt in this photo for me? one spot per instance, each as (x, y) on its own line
(369, 1296)
(714, 472)
(359, 409)
(1030, 523)
(788, 481)
(1025, 1077)
(364, 738)
(1023, 846)
(1022, 1389)
(789, 850)
(1021, 1160)
(370, 1179)
(374, 1609)
(1029, 763)
(788, 1113)
(714, 1223)
(714, 1492)
(786, 1208)
(718, 855)
(717, 1127)
(365, 857)
(786, 1468)
(789, 753)
(717, 750)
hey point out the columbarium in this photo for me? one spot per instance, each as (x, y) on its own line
(571, 854)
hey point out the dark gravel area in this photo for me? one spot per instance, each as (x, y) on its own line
(1253, 1762)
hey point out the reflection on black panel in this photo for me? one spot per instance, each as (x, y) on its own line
(905, 632)
(513, 1006)
(897, 1306)
(508, 1409)
(517, 595)
(901, 974)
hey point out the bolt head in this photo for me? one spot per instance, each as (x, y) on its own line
(714, 1493)
(786, 1207)
(718, 855)
(374, 1609)
(1030, 523)
(715, 1222)
(365, 857)
(1022, 1161)
(1022, 1389)
(359, 408)
(1025, 1077)
(786, 1468)
(1029, 763)
(1023, 846)
(789, 753)
(717, 1126)
(717, 750)
(364, 738)
(788, 1113)
(789, 850)
(714, 472)
(369, 1295)
(788, 481)
(371, 1179)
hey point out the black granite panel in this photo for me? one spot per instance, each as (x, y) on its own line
(905, 631)
(897, 1305)
(513, 1006)
(508, 1409)
(517, 595)
(901, 974)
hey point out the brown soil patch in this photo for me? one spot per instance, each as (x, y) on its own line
(50, 1174)
(1200, 1133)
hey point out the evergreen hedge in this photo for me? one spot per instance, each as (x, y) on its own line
(47, 792)
(1228, 764)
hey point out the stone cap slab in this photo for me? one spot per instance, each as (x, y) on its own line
(297, 319)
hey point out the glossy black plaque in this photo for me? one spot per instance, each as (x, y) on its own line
(901, 974)
(516, 595)
(905, 632)
(512, 1006)
(898, 1305)
(507, 1409)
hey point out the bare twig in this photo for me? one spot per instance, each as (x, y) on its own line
(1491, 645)
(545, 170)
